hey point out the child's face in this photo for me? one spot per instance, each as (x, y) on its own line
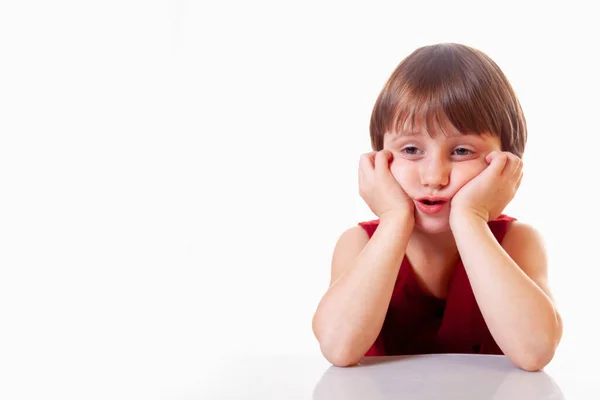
(437, 166)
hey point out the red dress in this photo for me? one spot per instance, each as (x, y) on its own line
(418, 323)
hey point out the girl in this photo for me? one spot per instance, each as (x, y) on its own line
(441, 269)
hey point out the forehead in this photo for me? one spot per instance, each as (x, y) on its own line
(440, 136)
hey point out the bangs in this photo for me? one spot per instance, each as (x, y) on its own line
(438, 110)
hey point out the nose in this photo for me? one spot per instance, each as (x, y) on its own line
(435, 172)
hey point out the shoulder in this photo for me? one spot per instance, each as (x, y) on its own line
(347, 248)
(526, 246)
(351, 239)
(356, 236)
(521, 237)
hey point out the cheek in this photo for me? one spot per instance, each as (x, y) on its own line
(404, 172)
(463, 173)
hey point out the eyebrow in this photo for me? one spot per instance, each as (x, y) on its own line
(404, 134)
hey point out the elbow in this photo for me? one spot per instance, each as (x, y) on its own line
(341, 349)
(340, 356)
(536, 356)
(343, 363)
(533, 362)
(535, 359)
(338, 352)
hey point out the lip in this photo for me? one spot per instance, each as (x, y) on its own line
(433, 208)
(433, 198)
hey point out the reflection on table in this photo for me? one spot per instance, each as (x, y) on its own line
(436, 376)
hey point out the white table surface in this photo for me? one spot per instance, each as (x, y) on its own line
(293, 376)
(410, 377)
(436, 376)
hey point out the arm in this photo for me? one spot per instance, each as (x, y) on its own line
(352, 311)
(509, 282)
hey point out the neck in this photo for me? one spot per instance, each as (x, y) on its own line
(437, 246)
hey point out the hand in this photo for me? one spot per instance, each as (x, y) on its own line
(379, 189)
(487, 194)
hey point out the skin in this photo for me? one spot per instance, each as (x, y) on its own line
(509, 280)
(438, 166)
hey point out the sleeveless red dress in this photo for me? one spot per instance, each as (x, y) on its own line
(418, 323)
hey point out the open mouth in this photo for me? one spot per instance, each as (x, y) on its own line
(430, 203)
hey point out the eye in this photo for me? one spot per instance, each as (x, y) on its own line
(461, 151)
(411, 150)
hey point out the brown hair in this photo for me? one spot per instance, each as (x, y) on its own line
(454, 83)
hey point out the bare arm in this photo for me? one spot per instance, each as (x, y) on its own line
(510, 284)
(363, 274)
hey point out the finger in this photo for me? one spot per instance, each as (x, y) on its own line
(497, 161)
(519, 167)
(367, 161)
(365, 169)
(513, 166)
(519, 181)
(382, 160)
(490, 156)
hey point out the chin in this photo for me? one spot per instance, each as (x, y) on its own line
(427, 224)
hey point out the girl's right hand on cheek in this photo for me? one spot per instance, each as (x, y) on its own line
(380, 190)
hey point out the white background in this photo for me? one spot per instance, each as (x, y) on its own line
(174, 174)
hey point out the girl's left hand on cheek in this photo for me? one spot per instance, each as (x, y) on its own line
(487, 194)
